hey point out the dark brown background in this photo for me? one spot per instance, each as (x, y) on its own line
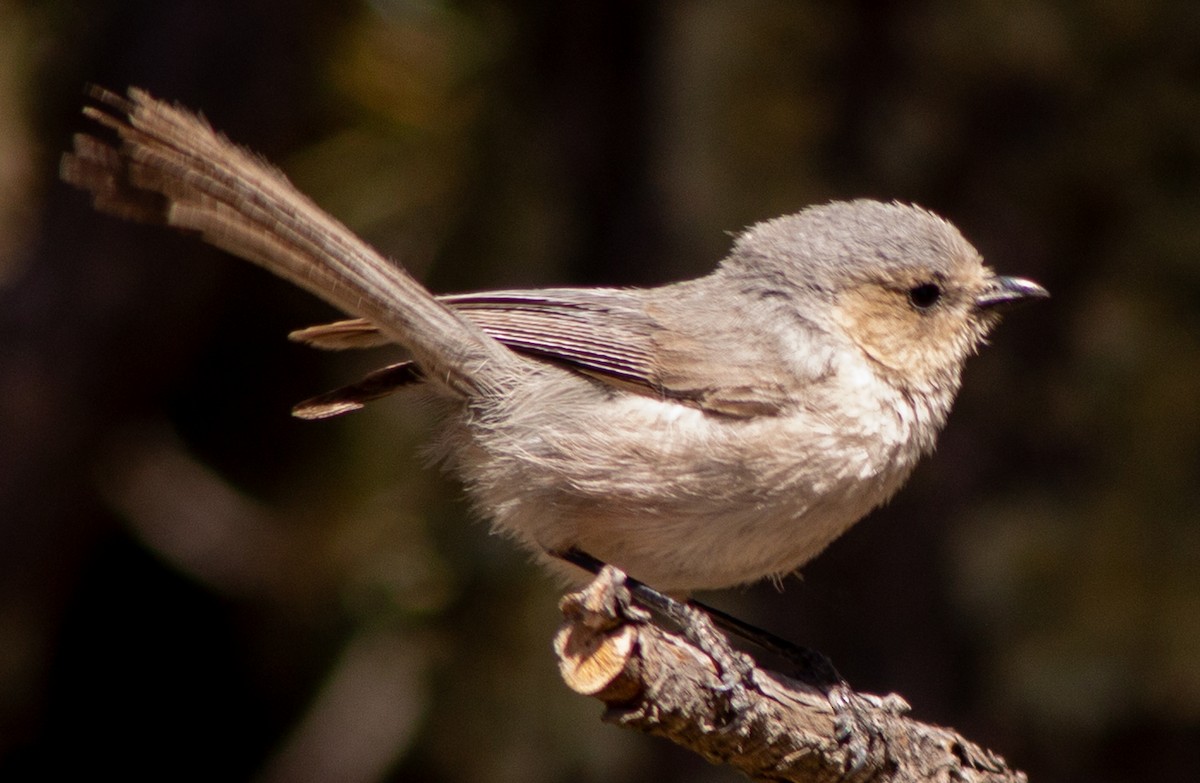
(195, 586)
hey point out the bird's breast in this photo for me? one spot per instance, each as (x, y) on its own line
(682, 498)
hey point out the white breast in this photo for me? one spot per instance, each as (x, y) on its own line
(683, 499)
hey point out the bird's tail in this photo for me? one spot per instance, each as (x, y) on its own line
(170, 167)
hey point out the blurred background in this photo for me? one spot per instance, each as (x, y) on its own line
(195, 586)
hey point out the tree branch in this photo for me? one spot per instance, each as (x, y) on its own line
(769, 726)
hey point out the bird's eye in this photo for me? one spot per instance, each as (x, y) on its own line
(925, 295)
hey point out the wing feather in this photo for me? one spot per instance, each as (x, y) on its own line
(608, 334)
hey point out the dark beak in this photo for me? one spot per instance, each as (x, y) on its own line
(1004, 293)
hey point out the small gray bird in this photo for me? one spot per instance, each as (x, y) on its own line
(698, 435)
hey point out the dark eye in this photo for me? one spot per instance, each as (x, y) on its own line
(925, 295)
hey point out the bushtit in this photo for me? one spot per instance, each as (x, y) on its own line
(698, 435)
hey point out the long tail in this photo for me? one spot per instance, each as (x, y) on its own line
(170, 167)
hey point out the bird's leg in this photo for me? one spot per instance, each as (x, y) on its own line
(810, 666)
(736, 669)
(699, 623)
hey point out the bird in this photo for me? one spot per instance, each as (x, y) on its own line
(698, 435)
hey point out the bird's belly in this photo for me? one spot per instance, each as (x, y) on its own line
(679, 498)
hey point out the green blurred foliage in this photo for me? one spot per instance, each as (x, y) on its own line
(196, 586)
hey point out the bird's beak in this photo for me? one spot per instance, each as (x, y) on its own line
(1004, 293)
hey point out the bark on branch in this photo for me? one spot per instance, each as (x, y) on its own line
(769, 726)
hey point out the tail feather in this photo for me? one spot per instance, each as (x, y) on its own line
(172, 168)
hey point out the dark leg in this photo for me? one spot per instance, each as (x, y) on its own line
(853, 726)
(811, 666)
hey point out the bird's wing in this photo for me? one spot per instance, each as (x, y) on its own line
(351, 397)
(606, 334)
